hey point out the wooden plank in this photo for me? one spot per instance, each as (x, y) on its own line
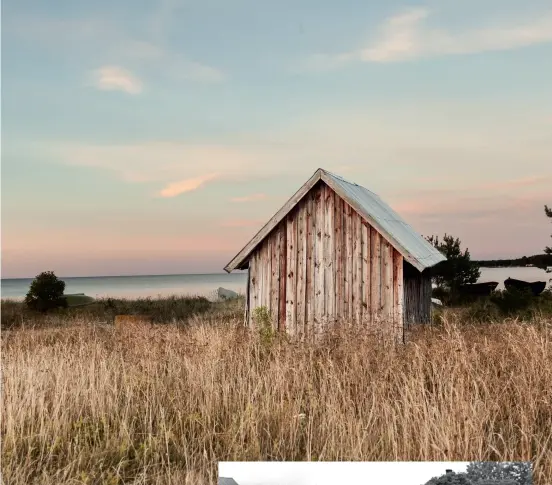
(354, 268)
(338, 257)
(365, 243)
(282, 277)
(309, 268)
(346, 271)
(291, 289)
(247, 292)
(273, 222)
(398, 294)
(387, 286)
(357, 255)
(275, 277)
(329, 274)
(266, 273)
(301, 266)
(349, 263)
(253, 287)
(260, 271)
(375, 275)
(318, 255)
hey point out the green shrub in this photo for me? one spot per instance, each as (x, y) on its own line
(46, 293)
(263, 321)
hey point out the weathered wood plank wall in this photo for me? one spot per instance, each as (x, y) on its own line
(323, 263)
(417, 296)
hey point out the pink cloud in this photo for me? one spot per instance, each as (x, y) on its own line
(115, 78)
(249, 198)
(520, 182)
(187, 185)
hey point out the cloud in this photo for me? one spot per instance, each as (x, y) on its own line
(249, 198)
(114, 78)
(188, 185)
(407, 36)
(421, 142)
(102, 41)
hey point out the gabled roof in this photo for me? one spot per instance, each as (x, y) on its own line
(414, 248)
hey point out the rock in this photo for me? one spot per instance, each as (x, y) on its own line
(224, 294)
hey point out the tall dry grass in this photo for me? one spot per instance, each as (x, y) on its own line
(162, 404)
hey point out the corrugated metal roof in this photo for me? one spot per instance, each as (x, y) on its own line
(226, 481)
(405, 239)
(414, 248)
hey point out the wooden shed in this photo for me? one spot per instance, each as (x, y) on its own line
(336, 252)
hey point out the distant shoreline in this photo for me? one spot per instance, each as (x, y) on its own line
(541, 261)
(127, 276)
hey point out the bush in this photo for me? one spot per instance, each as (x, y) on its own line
(263, 320)
(46, 293)
(483, 311)
(513, 301)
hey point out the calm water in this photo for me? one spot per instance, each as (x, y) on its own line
(522, 273)
(137, 286)
(204, 284)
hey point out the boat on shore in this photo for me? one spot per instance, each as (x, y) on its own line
(536, 287)
(479, 289)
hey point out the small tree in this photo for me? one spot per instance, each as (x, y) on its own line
(458, 269)
(46, 293)
(515, 473)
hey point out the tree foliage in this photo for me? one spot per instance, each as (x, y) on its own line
(514, 473)
(548, 212)
(458, 269)
(46, 293)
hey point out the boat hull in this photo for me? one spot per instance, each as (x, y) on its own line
(536, 287)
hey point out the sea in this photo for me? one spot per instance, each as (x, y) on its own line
(203, 284)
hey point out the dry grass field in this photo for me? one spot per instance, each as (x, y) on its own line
(89, 403)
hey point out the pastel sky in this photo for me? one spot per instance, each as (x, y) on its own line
(157, 136)
(334, 473)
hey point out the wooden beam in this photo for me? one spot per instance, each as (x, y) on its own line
(301, 267)
(365, 243)
(338, 257)
(329, 255)
(253, 286)
(375, 275)
(275, 277)
(282, 277)
(387, 286)
(291, 264)
(319, 260)
(349, 283)
(398, 294)
(309, 268)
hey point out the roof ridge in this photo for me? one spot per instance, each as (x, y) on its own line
(349, 182)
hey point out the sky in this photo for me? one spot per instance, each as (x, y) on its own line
(158, 136)
(333, 473)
